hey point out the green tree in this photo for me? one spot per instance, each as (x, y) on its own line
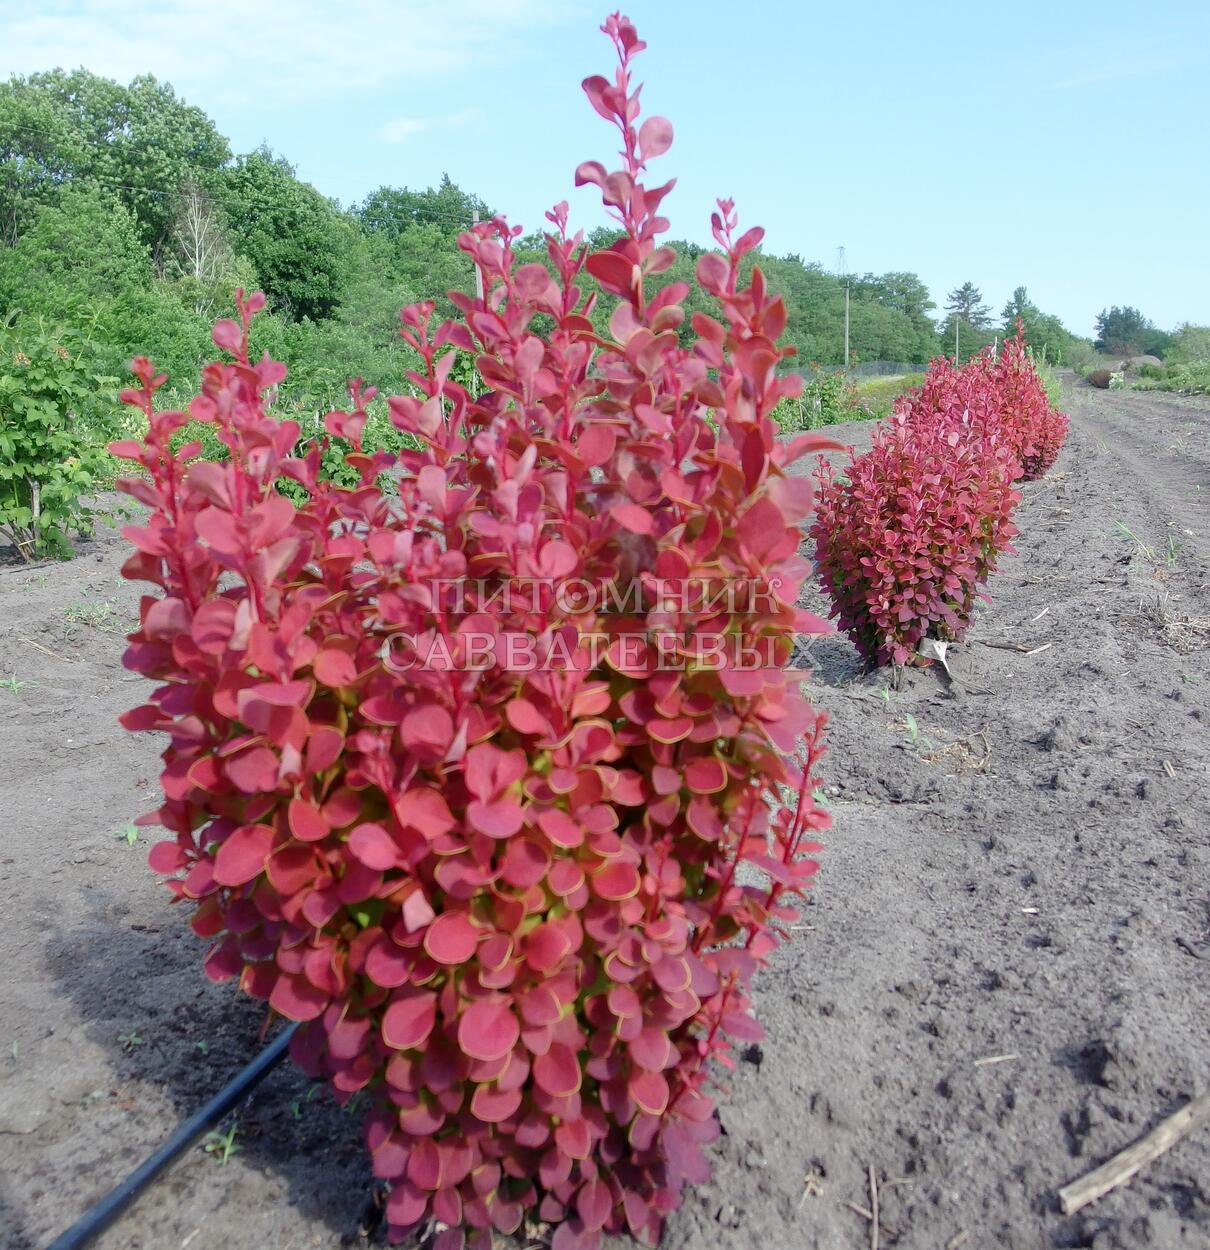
(140, 143)
(1126, 332)
(393, 210)
(76, 255)
(907, 295)
(298, 241)
(1019, 308)
(1046, 334)
(966, 303)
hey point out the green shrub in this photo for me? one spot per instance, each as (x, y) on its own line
(1192, 379)
(826, 399)
(52, 453)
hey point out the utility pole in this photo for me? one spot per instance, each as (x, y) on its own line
(957, 323)
(842, 272)
(478, 272)
(846, 325)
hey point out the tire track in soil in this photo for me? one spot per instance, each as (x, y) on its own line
(1160, 444)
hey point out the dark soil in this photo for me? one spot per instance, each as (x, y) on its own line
(1022, 880)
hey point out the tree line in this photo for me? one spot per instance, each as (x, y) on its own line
(125, 216)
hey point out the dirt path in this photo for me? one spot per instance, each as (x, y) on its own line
(1024, 882)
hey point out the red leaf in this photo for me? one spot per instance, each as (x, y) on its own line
(499, 819)
(558, 1071)
(655, 137)
(560, 828)
(594, 1203)
(712, 273)
(651, 1049)
(409, 1020)
(253, 771)
(166, 857)
(424, 810)
(430, 727)
(373, 846)
(488, 1029)
(451, 938)
(649, 1090)
(334, 668)
(492, 1104)
(705, 775)
(616, 880)
(243, 854)
(228, 336)
(615, 273)
(525, 718)
(547, 946)
(297, 999)
(633, 518)
(307, 822)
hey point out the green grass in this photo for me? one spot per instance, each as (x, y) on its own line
(878, 395)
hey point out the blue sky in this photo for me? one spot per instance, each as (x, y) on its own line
(1061, 146)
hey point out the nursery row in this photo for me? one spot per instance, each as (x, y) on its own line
(906, 537)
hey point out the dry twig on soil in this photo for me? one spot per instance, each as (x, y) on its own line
(873, 1209)
(988, 1060)
(1118, 1170)
(868, 1215)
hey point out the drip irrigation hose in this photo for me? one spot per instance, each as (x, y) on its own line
(101, 1214)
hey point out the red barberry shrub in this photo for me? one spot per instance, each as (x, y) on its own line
(497, 781)
(1037, 429)
(905, 538)
(998, 395)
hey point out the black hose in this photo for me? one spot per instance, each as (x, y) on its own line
(101, 1214)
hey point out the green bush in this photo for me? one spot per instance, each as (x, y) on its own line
(1192, 379)
(1190, 345)
(826, 399)
(52, 436)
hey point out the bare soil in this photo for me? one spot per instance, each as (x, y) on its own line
(1002, 979)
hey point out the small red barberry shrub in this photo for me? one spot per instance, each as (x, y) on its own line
(997, 395)
(463, 777)
(1038, 429)
(905, 538)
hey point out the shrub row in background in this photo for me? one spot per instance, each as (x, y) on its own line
(518, 906)
(912, 529)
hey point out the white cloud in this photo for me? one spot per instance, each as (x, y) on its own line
(273, 52)
(1117, 71)
(400, 129)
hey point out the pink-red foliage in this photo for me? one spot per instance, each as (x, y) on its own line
(906, 537)
(506, 901)
(995, 394)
